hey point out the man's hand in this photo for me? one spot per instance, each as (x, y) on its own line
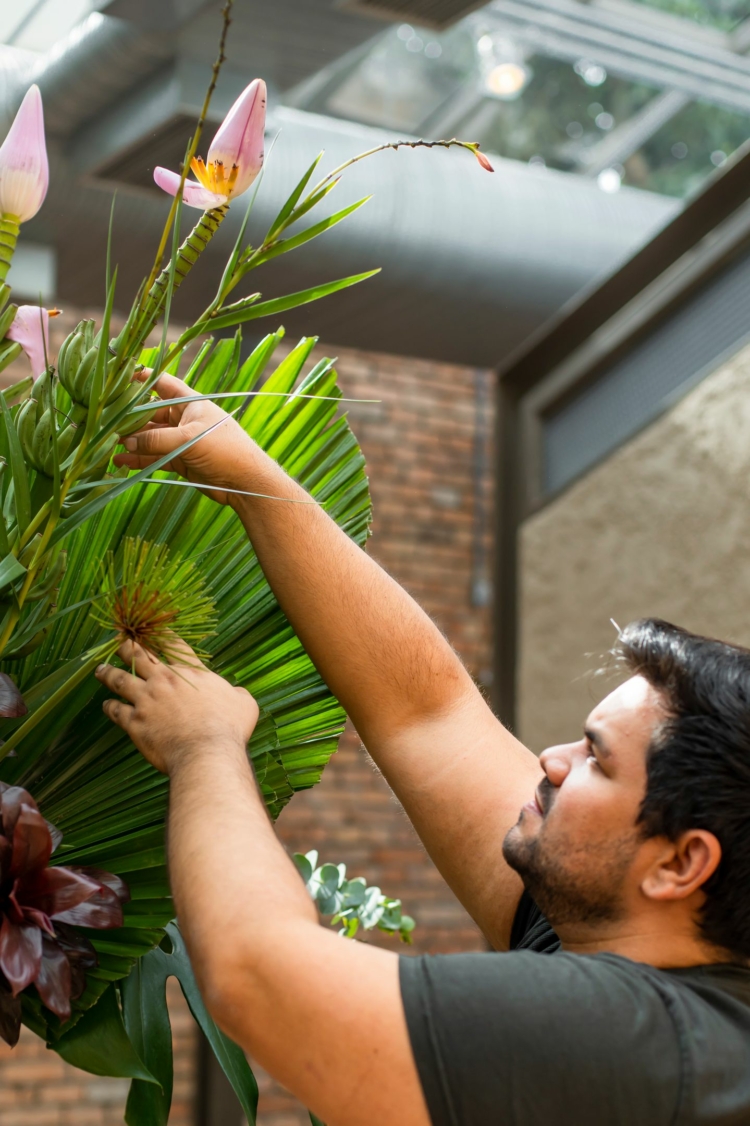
(213, 460)
(178, 711)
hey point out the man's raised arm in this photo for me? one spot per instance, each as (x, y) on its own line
(460, 775)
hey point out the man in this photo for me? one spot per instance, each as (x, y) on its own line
(633, 843)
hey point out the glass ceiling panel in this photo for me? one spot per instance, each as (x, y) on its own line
(633, 112)
(722, 14)
(36, 25)
(679, 156)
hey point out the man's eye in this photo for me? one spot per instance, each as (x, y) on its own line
(593, 760)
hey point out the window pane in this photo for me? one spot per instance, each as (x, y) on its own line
(564, 111)
(723, 14)
(677, 158)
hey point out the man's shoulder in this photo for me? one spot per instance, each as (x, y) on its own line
(550, 1035)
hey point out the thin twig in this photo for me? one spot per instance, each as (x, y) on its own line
(471, 146)
(215, 70)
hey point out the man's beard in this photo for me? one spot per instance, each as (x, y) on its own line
(570, 883)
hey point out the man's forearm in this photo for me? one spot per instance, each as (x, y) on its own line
(321, 1013)
(232, 882)
(376, 649)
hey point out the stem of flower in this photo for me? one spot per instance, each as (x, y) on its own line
(187, 256)
(52, 511)
(226, 13)
(10, 225)
(471, 146)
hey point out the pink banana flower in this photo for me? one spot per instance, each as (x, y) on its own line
(30, 329)
(24, 170)
(234, 159)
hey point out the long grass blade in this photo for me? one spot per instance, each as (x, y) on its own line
(303, 237)
(281, 219)
(233, 315)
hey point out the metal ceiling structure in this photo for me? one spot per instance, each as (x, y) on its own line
(472, 263)
(620, 90)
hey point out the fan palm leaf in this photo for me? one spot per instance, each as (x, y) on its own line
(89, 780)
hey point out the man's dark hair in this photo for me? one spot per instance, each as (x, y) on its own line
(698, 766)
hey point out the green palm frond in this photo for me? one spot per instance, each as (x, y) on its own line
(89, 780)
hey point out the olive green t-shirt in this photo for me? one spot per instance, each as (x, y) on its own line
(537, 1037)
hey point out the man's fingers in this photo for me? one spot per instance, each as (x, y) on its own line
(119, 713)
(165, 416)
(119, 681)
(170, 387)
(136, 461)
(138, 658)
(155, 442)
(180, 653)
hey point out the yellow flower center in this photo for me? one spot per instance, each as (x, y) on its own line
(215, 177)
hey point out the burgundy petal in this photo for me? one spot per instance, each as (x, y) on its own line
(11, 700)
(6, 853)
(109, 880)
(32, 843)
(20, 954)
(54, 979)
(80, 954)
(10, 807)
(103, 910)
(13, 908)
(10, 1015)
(12, 798)
(39, 919)
(55, 890)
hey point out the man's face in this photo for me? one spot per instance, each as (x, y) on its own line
(576, 844)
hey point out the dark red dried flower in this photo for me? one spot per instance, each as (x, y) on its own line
(39, 909)
(11, 701)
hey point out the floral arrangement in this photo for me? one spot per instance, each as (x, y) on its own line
(91, 554)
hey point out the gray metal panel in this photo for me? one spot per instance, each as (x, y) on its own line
(426, 13)
(652, 375)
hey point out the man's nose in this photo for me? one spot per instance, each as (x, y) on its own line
(556, 762)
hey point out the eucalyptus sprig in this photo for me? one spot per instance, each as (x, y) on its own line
(351, 903)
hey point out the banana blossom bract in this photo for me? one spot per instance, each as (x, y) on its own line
(234, 159)
(30, 329)
(24, 170)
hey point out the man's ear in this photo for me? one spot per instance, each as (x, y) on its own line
(682, 866)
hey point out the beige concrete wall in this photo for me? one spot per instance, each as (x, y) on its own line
(660, 529)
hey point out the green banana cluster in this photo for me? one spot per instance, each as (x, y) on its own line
(76, 364)
(36, 422)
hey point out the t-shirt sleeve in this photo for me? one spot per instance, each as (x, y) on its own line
(519, 1039)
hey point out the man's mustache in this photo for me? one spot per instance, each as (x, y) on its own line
(545, 795)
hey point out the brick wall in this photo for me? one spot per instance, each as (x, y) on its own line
(426, 445)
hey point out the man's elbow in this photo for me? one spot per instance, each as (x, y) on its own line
(244, 979)
(227, 992)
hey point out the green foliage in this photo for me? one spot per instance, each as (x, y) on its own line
(351, 902)
(147, 1023)
(98, 1043)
